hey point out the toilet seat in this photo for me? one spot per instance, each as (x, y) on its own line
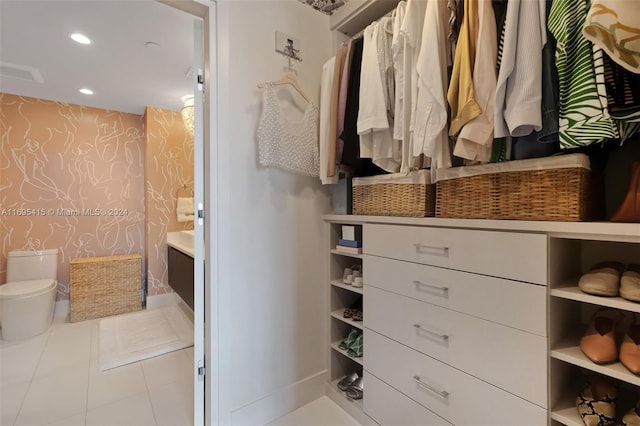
(18, 289)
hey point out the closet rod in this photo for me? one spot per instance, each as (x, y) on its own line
(360, 33)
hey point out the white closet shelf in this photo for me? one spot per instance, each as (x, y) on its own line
(573, 355)
(341, 253)
(574, 293)
(339, 283)
(567, 413)
(337, 314)
(332, 387)
(335, 347)
(599, 231)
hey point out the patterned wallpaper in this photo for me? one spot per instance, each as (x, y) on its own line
(168, 166)
(72, 178)
(325, 6)
(62, 163)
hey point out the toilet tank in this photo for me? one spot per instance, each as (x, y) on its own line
(32, 265)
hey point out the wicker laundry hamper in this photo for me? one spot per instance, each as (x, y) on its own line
(104, 286)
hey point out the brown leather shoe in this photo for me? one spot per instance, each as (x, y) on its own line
(599, 341)
(630, 348)
(629, 210)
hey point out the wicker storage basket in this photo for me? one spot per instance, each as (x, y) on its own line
(396, 194)
(104, 286)
(559, 188)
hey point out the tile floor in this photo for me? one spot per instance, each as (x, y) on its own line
(53, 379)
(321, 412)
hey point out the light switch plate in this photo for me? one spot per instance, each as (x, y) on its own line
(282, 40)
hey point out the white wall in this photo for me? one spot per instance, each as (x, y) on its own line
(272, 320)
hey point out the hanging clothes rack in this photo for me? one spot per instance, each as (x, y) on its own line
(360, 33)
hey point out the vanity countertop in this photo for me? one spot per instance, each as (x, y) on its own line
(182, 241)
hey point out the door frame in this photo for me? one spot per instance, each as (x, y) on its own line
(206, 407)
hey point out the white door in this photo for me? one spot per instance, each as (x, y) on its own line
(198, 263)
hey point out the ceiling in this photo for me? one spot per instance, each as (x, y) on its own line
(124, 71)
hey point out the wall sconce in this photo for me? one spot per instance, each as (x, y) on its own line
(187, 112)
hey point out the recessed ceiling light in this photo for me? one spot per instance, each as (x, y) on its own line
(86, 91)
(80, 38)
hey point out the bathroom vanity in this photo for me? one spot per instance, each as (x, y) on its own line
(180, 260)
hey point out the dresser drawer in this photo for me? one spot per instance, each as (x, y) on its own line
(511, 359)
(458, 397)
(512, 255)
(512, 303)
(388, 407)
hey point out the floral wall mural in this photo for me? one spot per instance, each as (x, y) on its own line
(72, 178)
(60, 164)
(168, 168)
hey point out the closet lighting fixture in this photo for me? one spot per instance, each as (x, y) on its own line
(187, 113)
(80, 38)
(86, 91)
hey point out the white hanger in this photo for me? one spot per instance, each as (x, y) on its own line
(287, 79)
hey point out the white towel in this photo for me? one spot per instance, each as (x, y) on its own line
(185, 209)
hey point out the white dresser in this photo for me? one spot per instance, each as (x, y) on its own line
(470, 322)
(445, 329)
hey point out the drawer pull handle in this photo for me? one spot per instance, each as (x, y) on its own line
(442, 393)
(432, 250)
(435, 287)
(444, 337)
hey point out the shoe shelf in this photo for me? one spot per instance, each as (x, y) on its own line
(570, 310)
(333, 385)
(341, 253)
(335, 346)
(337, 314)
(573, 355)
(341, 297)
(340, 284)
(574, 293)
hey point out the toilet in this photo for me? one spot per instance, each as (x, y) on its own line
(27, 300)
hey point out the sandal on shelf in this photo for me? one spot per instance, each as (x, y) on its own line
(632, 418)
(355, 350)
(348, 380)
(356, 390)
(347, 276)
(596, 402)
(349, 340)
(357, 315)
(355, 306)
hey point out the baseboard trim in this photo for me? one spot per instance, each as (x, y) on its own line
(62, 308)
(281, 402)
(162, 300)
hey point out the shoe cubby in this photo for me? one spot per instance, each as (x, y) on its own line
(342, 295)
(570, 381)
(570, 312)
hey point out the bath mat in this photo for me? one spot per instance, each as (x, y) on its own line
(132, 337)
